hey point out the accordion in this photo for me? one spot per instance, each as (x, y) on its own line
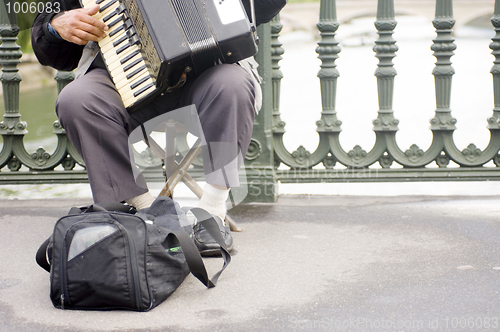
(152, 45)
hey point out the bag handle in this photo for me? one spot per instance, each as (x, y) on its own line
(111, 206)
(41, 255)
(193, 257)
(103, 206)
(252, 12)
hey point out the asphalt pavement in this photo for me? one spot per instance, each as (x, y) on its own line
(316, 263)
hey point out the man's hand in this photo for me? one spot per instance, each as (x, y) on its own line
(78, 26)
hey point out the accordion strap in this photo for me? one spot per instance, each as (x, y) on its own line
(182, 80)
(252, 11)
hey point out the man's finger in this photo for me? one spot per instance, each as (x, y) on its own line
(90, 28)
(92, 10)
(89, 32)
(87, 17)
(76, 40)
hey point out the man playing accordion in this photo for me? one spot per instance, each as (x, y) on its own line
(97, 123)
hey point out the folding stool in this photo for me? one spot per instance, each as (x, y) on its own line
(176, 172)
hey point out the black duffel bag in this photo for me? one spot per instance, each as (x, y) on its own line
(107, 256)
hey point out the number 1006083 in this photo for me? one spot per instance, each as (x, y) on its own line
(25, 7)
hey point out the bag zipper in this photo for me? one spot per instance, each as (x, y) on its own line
(134, 267)
(61, 272)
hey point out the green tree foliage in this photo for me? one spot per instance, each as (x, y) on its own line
(25, 12)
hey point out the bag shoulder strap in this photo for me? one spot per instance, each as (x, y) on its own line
(193, 257)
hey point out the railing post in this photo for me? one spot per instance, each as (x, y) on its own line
(443, 72)
(385, 125)
(329, 125)
(494, 121)
(10, 55)
(385, 49)
(328, 52)
(259, 163)
(276, 75)
(63, 78)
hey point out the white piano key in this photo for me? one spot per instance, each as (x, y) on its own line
(89, 3)
(129, 82)
(130, 101)
(113, 59)
(100, 15)
(123, 77)
(120, 70)
(108, 4)
(121, 81)
(108, 37)
(106, 44)
(126, 92)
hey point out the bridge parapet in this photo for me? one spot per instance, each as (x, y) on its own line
(268, 161)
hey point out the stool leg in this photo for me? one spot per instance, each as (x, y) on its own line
(192, 185)
(232, 225)
(181, 169)
(170, 136)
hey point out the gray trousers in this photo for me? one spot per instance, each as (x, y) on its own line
(96, 122)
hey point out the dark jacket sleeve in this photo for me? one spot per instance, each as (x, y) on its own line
(265, 10)
(50, 50)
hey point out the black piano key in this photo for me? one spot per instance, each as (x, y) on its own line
(130, 56)
(131, 32)
(123, 48)
(127, 24)
(120, 9)
(132, 41)
(128, 35)
(138, 92)
(119, 41)
(132, 64)
(139, 82)
(106, 6)
(135, 72)
(118, 20)
(98, 2)
(109, 16)
(115, 31)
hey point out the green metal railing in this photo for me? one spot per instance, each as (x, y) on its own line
(268, 161)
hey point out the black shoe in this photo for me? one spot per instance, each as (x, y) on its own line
(206, 244)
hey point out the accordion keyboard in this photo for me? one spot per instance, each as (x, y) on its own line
(122, 52)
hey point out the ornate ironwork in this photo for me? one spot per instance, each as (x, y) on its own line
(385, 150)
(268, 161)
(13, 130)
